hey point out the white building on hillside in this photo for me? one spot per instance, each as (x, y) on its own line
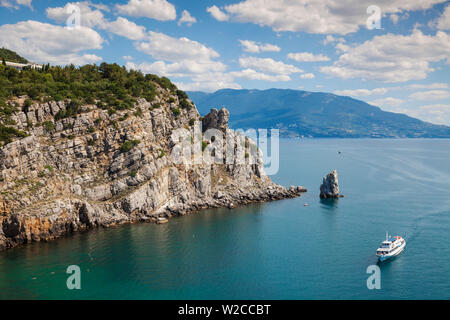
(20, 66)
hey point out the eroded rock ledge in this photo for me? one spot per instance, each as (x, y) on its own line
(99, 169)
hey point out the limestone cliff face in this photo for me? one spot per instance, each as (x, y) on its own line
(100, 169)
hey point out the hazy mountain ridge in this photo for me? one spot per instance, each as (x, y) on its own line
(314, 114)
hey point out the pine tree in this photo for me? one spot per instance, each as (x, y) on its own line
(3, 62)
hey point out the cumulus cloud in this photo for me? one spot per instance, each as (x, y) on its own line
(435, 113)
(256, 47)
(217, 14)
(443, 22)
(164, 47)
(43, 42)
(184, 58)
(307, 57)
(430, 95)
(94, 18)
(315, 16)
(88, 17)
(330, 39)
(392, 58)
(384, 90)
(15, 4)
(186, 18)
(307, 76)
(361, 92)
(251, 74)
(125, 28)
(387, 102)
(436, 85)
(268, 65)
(208, 83)
(155, 9)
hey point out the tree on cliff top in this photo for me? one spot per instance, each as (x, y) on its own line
(11, 56)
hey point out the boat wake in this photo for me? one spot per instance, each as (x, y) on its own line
(417, 224)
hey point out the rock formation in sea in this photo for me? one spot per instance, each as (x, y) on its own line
(101, 169)
(330, 186)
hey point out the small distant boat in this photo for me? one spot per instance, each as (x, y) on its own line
(391, 247)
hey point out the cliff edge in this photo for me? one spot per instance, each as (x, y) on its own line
(101, 168)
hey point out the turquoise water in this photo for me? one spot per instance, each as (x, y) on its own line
(277, 250)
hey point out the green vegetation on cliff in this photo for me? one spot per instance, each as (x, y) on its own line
(11, 56)
(108, 86)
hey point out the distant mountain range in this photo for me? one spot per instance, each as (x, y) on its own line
(313, 114)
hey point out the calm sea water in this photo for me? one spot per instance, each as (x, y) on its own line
(277, 250)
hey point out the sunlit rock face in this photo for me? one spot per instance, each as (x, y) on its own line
(99, 169)
(330, 186)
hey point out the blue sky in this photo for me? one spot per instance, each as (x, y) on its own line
(314, 45)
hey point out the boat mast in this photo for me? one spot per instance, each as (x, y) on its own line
(387, 236)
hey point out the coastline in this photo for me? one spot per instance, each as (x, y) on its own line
(40, 230)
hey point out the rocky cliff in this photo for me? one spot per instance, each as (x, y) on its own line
(330, 186)
(99, 168)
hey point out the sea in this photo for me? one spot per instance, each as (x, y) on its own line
(302, 248)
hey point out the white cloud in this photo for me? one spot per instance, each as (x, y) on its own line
(362, 92)
(316, 16)
(88, 17)
(184, 58)
(387, 102)
(43, 42)
(443, 22)
(383, 91)
(430, 95)
(155, 9)
(94, 18)
(184, 68)
(127, 57)
(217, 14)
(307, 57)
(268, 65)
(126, 28)
(208, 83)
(392, 58)
(164, 47)
(307, 76)
(99, 6)
(437, 113)
(186, 18)
(437, 85)
(255, 75)
(330, 39)
(254, 47)
(15, 4)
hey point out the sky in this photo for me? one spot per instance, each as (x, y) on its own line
(394, 54)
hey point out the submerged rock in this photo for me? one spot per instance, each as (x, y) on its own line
(330, 186)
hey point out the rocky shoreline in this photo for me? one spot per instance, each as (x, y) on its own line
(19, 230)
(98, 169)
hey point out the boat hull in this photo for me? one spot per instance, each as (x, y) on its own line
(393, 254)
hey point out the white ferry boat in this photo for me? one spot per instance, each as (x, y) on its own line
(391, 247)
